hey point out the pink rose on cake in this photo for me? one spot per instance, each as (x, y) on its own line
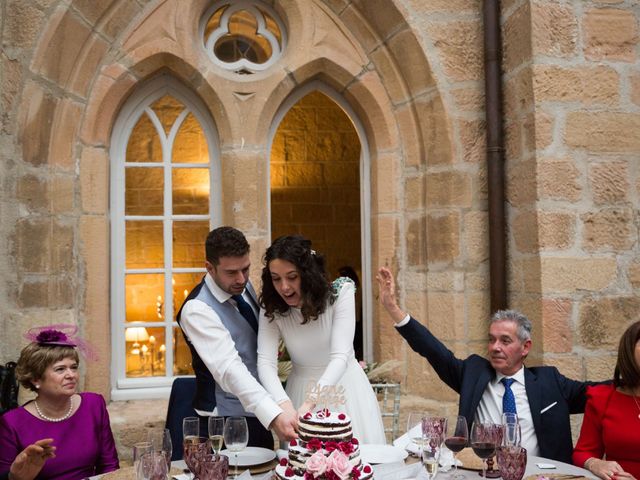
(317, 464)
(338, 462)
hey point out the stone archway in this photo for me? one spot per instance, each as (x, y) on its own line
(384, 75)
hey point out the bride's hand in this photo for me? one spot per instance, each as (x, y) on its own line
(387, 289)
(306, 407)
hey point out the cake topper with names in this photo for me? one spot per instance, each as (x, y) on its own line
(325, 396)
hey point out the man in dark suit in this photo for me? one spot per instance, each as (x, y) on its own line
(542, 398)
(219, 322)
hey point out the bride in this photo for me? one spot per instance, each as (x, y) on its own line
(316, 320)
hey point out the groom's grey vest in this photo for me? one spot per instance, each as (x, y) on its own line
(208, 393)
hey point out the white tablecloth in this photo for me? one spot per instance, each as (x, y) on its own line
(400, 471)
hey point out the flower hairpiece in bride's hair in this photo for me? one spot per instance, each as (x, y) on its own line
(313, 252)
(65, 334)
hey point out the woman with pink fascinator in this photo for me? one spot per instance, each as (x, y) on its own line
(78, 423)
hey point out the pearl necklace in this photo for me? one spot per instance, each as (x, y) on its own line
(49, 419)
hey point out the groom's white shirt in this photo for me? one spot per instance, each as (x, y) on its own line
(217, 350)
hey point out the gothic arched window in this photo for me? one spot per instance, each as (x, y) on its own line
(165, 196)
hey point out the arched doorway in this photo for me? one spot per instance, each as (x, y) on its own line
(316, 183)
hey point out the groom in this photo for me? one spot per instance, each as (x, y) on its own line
(219, 322)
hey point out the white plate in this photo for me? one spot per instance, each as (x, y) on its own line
(375, 454)
(250, 456)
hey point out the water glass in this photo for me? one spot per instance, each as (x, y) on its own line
(509, 417)
(511, 432)
(213, 467)
(195, 450)
(435, 428)
(154, 466)
(512, 461)
(511, 435)
(161, 443)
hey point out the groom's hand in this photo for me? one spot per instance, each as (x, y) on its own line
(285, 426)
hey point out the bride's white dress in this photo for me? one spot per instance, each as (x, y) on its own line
(321, 350)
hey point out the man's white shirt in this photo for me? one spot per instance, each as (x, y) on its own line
(490, 408)
(216, 348)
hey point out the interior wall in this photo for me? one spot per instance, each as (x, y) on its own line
(315, 181)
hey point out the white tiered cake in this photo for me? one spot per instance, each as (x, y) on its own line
(326, 450)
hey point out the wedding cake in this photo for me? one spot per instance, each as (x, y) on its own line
(326, 450)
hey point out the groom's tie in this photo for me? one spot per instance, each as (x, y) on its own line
(509, 399)
(246, 311)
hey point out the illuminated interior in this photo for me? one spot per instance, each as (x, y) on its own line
(154, 290)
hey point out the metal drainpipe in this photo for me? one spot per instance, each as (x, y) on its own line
(495, 154)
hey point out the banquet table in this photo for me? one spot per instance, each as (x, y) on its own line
(410, 469)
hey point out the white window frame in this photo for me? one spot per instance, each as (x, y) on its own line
(152, 387)
(365, 195)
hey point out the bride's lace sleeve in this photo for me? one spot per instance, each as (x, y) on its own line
(343, 329)
(268, 341)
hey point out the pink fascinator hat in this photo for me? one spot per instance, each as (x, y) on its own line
(64, 334)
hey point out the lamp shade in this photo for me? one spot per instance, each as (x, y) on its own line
(136, 334)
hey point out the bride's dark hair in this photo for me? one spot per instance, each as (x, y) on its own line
(315, 288)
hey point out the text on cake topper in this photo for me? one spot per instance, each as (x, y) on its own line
(326, 395)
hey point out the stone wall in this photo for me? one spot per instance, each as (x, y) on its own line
(412, 72)
(573, 120)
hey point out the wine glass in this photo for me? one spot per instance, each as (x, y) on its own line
(511, 433)
(483, 442)
(161, 443)
(236, 437)
(430, 454)
(140, 451)
(413, 420)
(216, 428)
(190, 434)
(456, 439)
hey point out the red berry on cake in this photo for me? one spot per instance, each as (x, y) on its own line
(366, 469)
(283, 462)
(307, 416)
(288, 472)
(342, 416)
(293, 443)
(354, 441)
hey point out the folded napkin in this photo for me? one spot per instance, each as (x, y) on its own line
(404, 440)
(396, 471)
